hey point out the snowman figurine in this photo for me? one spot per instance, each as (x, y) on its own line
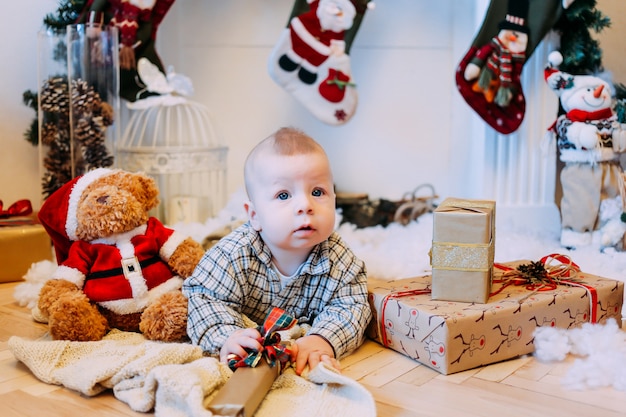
(589, 140)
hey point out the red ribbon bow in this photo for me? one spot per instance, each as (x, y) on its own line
(557, 270)
(19, 208)
(273, 351)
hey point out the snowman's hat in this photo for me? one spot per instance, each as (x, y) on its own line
(516, 16)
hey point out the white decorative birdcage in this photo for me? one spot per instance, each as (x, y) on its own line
(176, 144)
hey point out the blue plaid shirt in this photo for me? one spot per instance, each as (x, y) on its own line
(235, 277)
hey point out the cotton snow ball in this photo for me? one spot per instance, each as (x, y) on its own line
(551, 344)
(600, 369)
(620, 376)
(27, 292)
(591, 338)
(587, 373)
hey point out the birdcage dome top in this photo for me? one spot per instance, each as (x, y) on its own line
(170, 138)
(182, 127)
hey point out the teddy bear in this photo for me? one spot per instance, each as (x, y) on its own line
(118, 267)
(589, 140)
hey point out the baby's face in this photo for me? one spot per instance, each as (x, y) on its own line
(293, 201)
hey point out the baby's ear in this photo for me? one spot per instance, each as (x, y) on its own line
(252, 215)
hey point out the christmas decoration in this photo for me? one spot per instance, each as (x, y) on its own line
(118, 267)
(310, 59)
(488, 76)
(137, 22)
(581, 52)
(77, 102)
(589, 140)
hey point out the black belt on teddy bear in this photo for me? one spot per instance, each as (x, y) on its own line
(120, 271)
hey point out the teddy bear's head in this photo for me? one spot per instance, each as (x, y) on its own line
(99, 204)
(113, 204)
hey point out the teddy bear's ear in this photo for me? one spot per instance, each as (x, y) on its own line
(145, 190)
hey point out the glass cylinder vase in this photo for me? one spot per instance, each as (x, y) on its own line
(78, 101)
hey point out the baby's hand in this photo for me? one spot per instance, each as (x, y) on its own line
(312, 350)
(239, 341)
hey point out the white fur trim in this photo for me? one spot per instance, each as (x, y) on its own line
(588, 157)
(72, 275)
(309, 39)
(121, 238)
(170, 246)
(135, 305)
(71, 223)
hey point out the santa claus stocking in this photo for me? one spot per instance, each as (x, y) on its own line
(488, 76)
(310, 59)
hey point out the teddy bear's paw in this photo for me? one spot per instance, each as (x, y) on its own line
(38, 315)
(51, 292)
(166, 319)
(185, 258)
(75, 318)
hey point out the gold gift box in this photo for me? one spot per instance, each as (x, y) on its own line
(463, 250)
(21, 246)
(451, 337)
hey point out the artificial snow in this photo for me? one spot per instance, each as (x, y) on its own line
(599, 351)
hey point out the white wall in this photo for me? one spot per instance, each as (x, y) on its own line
(403, 62)
(411, 126)
(19, 167)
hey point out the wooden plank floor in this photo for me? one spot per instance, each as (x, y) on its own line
(400, 386)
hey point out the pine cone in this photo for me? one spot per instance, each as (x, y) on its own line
(49, 133)
(54, 96)
(84, 98)
(106, 112)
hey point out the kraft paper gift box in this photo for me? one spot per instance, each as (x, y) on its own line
(244, 391)
(20, 246)
(451, 337)
(463, 250)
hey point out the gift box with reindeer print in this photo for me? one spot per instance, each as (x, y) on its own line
(456, 336)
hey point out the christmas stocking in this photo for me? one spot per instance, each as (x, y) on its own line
(310, 59)
(137, 21)
(488, 76)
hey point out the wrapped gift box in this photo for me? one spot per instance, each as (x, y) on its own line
(463, 250)
(22, 243)
(453, 336)
(244, 391)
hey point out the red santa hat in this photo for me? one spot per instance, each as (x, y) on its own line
(554, 60)
(58, 213)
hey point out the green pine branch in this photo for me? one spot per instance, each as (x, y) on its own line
(581, 53)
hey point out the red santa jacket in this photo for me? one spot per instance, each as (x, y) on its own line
(125, 271)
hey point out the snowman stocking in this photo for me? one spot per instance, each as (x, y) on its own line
(488, 76)
(310, 59)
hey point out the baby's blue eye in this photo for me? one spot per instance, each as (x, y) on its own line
(317, 193)
(283, 196)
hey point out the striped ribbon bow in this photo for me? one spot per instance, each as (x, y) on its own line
(273, 351)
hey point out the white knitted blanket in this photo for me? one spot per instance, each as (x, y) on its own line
(175, 380)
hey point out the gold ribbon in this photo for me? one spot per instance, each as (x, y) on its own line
(462, 256)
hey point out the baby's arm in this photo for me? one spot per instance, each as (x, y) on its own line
(343, 319)
(213, 294)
